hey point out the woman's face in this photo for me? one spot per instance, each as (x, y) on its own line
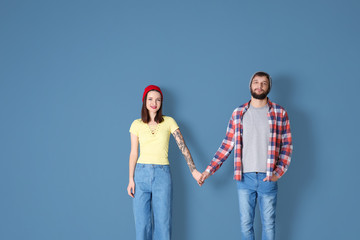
(153, 101)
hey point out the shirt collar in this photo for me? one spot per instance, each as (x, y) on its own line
(269, 103)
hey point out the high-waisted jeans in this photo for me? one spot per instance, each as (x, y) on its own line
(251, 188)
(152, 202)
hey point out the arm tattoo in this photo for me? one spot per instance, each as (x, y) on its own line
(184, 149)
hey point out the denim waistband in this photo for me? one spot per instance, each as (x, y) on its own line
(143, 165)
(255, 173)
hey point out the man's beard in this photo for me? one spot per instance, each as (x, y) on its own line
(261, 96)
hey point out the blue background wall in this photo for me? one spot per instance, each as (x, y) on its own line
(71, 79)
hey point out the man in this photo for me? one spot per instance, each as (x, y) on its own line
(260, 133)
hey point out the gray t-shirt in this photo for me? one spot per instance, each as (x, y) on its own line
(256, 133)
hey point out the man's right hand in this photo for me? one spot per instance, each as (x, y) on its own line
(203, 177)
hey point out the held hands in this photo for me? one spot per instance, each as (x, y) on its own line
(200, 177)
(131, 188)
(203, 177)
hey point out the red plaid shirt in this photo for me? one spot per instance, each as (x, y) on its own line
(279, 148)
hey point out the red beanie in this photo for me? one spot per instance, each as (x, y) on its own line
(150, 88)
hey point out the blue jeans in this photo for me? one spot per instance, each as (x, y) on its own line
(251, 188)
(152, 202)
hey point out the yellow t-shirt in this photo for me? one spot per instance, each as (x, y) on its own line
(154, 146)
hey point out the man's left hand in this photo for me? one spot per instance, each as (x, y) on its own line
(273, 178)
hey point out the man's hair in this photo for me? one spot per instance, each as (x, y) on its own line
(261, 74)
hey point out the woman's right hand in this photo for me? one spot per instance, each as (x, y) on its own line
(131, 188)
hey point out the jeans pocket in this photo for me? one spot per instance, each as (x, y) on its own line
(166, 168)
(139, 174)
(271, 186)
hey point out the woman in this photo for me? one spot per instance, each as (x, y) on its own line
(149, 176)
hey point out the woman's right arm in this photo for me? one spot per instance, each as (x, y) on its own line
(132, 163)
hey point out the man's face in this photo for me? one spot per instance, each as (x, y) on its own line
(260, 87)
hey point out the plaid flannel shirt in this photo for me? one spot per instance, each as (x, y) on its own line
(279, 148)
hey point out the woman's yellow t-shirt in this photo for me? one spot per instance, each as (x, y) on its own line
(154, 146)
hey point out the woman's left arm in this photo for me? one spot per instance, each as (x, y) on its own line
(185, 151)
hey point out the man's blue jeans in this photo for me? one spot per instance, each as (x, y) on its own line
(152, 202)
(251, 188)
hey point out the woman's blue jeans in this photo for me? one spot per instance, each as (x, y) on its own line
(152, 202)
(251, 188)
